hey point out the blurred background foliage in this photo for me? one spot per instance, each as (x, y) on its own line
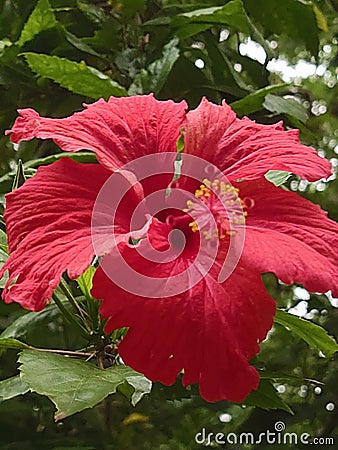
(272, 60)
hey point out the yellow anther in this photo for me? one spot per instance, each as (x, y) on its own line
(225, 205)
(193, 226)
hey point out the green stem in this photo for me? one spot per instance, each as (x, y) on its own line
(92, 307)
(65, 352)
(70, 317)
(65, 289)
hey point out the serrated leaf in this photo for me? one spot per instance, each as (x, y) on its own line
(71, 384)
(41, 19)
(154, 78)
(254, 102)
(277, 177)
(286, 106)
(267, 397)
(12, 387)
(314, 335)
(76, 77)
(12, 343)
(25, 323)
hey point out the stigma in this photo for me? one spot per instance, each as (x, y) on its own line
(217, 210)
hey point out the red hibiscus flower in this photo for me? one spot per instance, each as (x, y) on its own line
(210, 328)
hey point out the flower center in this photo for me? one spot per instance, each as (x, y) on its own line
(217, 211)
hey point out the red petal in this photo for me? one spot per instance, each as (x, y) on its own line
(291, 237)
(244, 149)
(118, 131)
(210, 332)
(49, 229)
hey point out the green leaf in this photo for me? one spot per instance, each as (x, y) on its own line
(92, 12)
(12, 343)
(180, 142)
(3, 257)
(257, 36)
(187, 30)
(135, 388)
(231, 14)
(12, 387)
(159, 21)
(3, 241)
(294, 19)
(79, 43)
(266, 397)
(312, 334)
(280, 377)
(19, 178)
(221, 67)
(85, 281)
(160, 69)
(320, 19)
(254, 102)
(41, 19)
(131, 7)
(277, 177)
(76, 77)
(75, 385)
(154, 78)
(82, 157)
(27, 322)
(286, 106)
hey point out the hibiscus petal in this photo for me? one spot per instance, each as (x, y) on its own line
(49, 230)
(244, 149)
(118, 131)
(210, 332)
(290, 236)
